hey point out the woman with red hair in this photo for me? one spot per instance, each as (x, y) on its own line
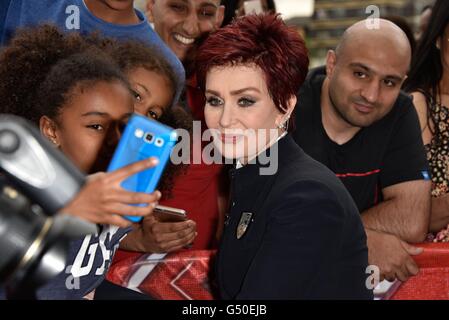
(293, 231)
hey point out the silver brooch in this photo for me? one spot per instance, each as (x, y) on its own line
(244, 222)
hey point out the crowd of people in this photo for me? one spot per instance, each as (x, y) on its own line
(360, 144)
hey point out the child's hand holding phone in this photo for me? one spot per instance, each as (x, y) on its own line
(102, 199)
(141, 139)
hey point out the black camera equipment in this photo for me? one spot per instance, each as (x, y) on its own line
(38, 182)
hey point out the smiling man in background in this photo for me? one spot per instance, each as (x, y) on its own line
(182, 24)
(353, 118)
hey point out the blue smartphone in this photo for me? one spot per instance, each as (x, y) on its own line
(143, 138)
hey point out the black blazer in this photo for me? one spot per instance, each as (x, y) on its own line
(304, 237)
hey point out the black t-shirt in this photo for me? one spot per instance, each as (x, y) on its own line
(386, 153)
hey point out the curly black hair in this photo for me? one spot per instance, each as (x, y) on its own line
(131, 55)
(42, 66)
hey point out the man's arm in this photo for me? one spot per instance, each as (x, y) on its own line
(404, 212)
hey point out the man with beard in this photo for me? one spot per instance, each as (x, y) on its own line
(352, 117)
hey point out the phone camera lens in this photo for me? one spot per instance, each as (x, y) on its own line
(159, 142)
(149, 138)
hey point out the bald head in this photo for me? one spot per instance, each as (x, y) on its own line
(388, 36)
(365, 74)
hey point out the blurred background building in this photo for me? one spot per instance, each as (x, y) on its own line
(330, 18)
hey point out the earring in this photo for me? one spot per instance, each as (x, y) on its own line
(285, 123)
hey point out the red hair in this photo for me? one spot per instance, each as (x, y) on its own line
(265, 41)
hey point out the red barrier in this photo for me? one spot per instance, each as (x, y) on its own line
(176, 276)
(432, 281)
(185, 275)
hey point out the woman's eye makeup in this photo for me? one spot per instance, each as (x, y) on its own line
(246, 102)
(241, 102)
(214, 101)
